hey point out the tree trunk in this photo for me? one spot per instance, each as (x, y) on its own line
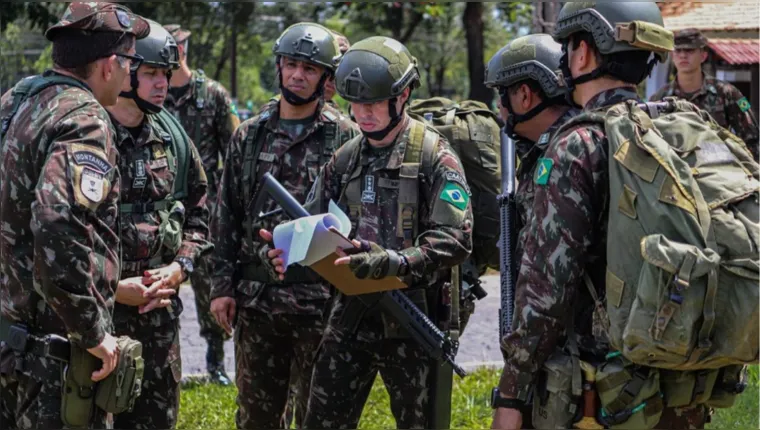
(473, 24)
(545, 16)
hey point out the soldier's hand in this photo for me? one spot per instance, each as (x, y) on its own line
(369, 260)
(167, 277)
(271, 256)
(131, 292)
(506, 419)
(223, 309)
(108, 352)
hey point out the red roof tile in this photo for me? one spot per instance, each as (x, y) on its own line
(723, 16)
(736, 51)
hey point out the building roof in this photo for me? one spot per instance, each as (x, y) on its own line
(723, 16)
(736, 51)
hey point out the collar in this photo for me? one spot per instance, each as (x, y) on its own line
(393, 153)
(708, 85)
(611, 97)
(149, 135)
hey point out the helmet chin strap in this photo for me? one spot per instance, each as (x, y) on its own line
(294, 98)
(515, 119)
(145, 106)
(379, 135)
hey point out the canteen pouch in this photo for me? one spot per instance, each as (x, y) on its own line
(78, 397)
(730, 382)
(170, 229)
(629, 394)
(118, 392)
(558, 391)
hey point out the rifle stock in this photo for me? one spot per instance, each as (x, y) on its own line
(507, 239)
(436, 344)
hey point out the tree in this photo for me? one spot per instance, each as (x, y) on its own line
(474, 28)
(401, 19)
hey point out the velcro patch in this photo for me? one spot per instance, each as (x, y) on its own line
(452, 176)
(543, 171)
(91, 159)
(743, 104)
(454, 193)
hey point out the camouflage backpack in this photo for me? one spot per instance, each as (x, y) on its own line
(473, 131)
(683, 271)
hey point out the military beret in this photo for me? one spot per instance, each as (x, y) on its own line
(100, 17)
(178, 33)
(690, 38)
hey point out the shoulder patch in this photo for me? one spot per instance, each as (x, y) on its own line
(455, 195)
(453, 176)
(543, 171)
(743, 104)
(84, 157)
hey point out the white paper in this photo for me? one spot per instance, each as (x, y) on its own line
(308, 240)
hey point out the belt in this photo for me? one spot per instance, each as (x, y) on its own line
(295, 275)
(18, 338)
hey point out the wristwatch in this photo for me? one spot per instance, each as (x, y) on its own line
(500, 402)
(186, 264)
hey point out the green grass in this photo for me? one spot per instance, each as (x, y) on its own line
(213, 407)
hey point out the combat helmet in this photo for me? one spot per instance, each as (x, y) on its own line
(311, 43)
(529, 58)
(376, 69)
(159, 50)
(615, 27)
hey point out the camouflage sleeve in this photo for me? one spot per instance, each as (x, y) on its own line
(227, 220)
(446, 218)
(741, 119)
(571, 185)
(195, 231)
(77, 180)
(226, 118)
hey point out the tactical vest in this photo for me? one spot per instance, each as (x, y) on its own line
(254, 270)
(30, 87)
(416, 168)
(683, 270)
(170, 210)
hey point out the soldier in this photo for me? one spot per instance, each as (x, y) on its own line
(330, 84)
(402, 226)
(723, 101)
(278, 323)
(209, 117)
(568, 232)
(164, 225)
(533, 106)
(59, 247)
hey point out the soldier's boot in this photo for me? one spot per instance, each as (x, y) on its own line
(215, 363)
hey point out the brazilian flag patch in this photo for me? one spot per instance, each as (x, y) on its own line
(743, 104)
(543, 171)
(454, 194)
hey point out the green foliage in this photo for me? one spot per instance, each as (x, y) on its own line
(212, 407)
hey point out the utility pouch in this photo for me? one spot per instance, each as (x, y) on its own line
(118, 392)
(78, 397)
(630, 394)
(687, 388)
(558, 392)
(731, 382)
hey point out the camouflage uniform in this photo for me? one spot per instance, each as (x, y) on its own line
(529, 153)
(59, 190)
(725, 103)
(278, 323)
(359, 341)
(147, 178)
(567, 239)
(211, 134)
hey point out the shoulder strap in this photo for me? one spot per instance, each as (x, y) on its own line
(180, 151)
(30, 87)
(449, 118)
(201, 94)
(330, 134)
(346, 160)
(417, 159)
(251, 152)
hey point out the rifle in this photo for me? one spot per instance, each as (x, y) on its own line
(508, 210)
(439, 346)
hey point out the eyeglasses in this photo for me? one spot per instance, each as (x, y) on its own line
(135, 61)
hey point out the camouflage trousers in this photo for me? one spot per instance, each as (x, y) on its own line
(158, 404)
(31, 399)
(272, 353)
(345, 371)
(200, 280)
